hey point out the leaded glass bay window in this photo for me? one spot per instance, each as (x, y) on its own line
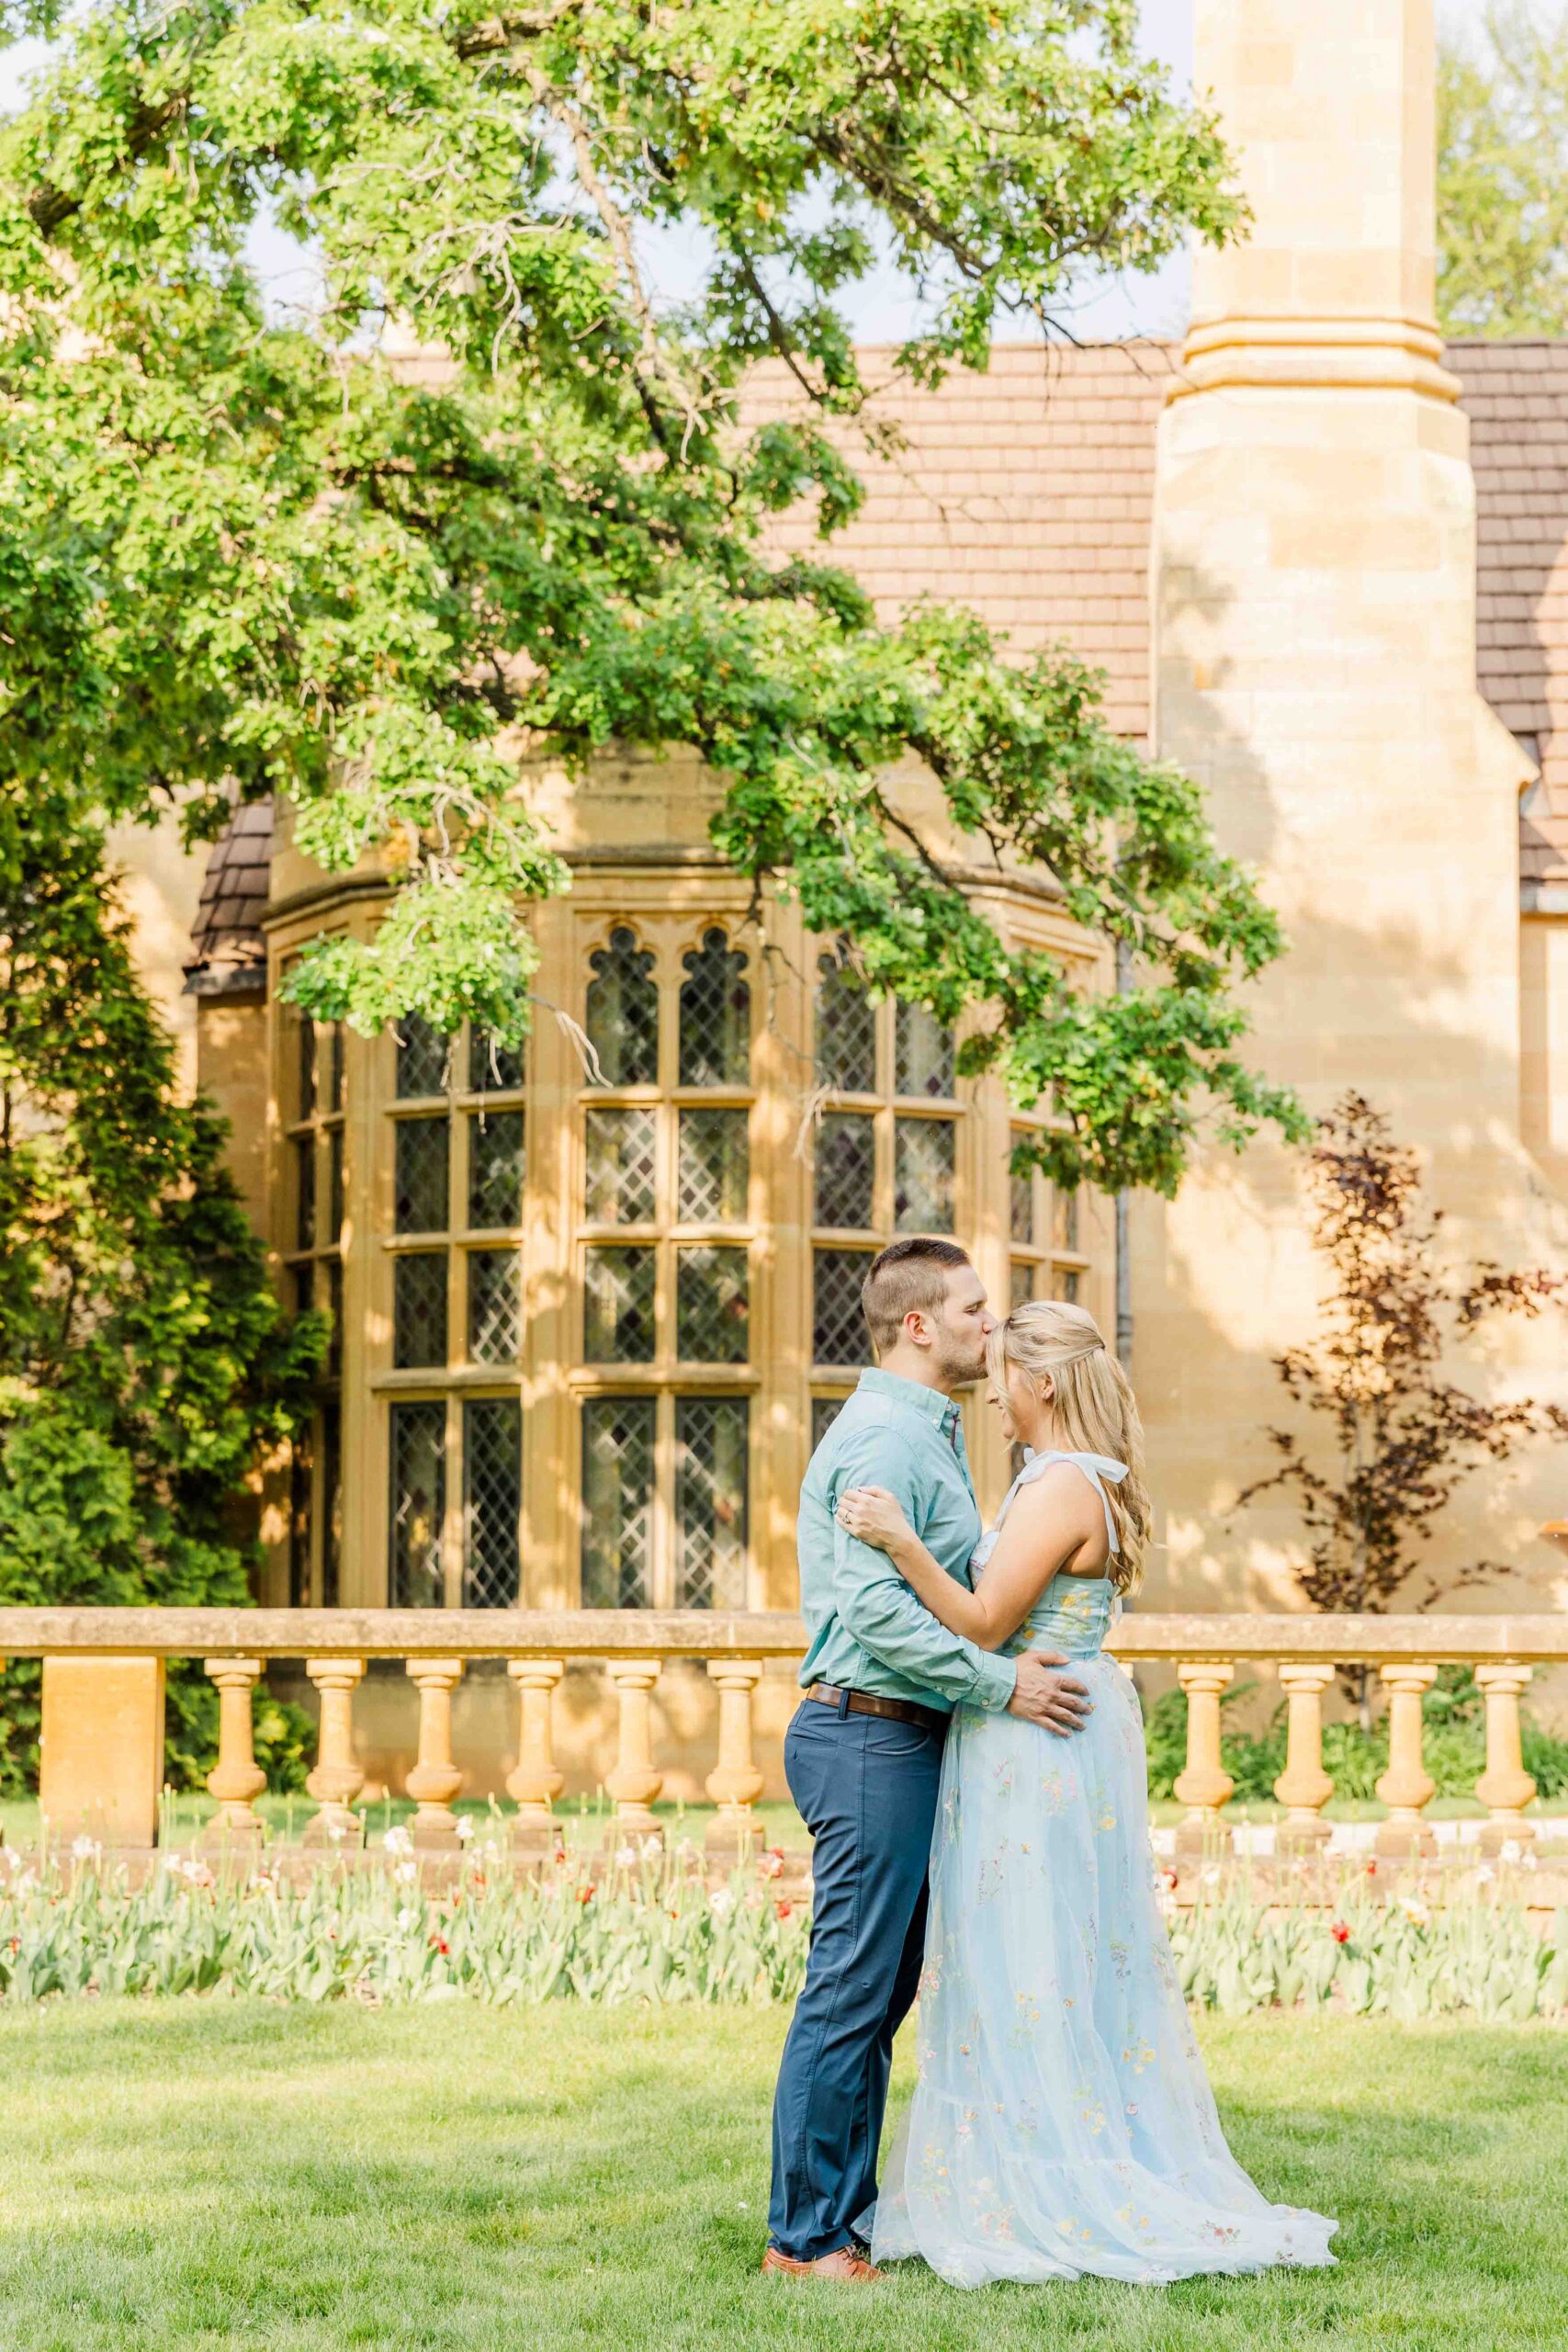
(880, 1167)
(663, 1495)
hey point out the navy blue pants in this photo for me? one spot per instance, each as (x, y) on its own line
(866, 1789)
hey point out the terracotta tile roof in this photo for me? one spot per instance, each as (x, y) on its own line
(1027, 492)
(1516, 395)
(228, 947)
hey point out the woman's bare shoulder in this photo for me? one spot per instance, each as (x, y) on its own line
(1061, 1494)
(1061, 1509)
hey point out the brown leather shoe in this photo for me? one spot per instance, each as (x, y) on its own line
(845, 2263)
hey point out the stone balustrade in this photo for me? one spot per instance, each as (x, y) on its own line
(103, 1699)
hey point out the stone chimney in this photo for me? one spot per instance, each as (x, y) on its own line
(1314, 586)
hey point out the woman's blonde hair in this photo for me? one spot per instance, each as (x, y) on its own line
(1093, 1404)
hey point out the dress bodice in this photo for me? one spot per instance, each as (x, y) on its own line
(1074, 1613)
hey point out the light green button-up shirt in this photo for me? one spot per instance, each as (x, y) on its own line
(867, 1630)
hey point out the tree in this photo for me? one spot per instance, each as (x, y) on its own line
(1503, 173)
(243, 549)
(145, 1365)
(1401, 1436)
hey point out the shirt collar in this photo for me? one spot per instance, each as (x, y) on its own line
(930, 1403)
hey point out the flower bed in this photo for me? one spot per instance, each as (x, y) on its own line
(643, 1926)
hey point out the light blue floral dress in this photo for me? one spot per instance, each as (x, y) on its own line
(1062, 2122)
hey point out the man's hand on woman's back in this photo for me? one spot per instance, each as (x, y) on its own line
(1043, 1696)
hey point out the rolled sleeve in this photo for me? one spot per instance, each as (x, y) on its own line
(877, 1607)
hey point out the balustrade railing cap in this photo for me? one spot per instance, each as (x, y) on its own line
(707, 1633)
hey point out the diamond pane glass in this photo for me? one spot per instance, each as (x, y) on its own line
(846, 1168)
(495, 1168)
(1020, 1283)
(618, 1307)
(712, 1303)
(838, 1327)
(424, 1057)
(305, 1192)
(335, 1069)
(1068, 1288)
(924, 1153)
(1066, 1220)
(923, 1054)
(492, 1064)
(331, 1503)
(418, 1506)
(334, 1188)
(710, 1502)
(495, 1308)
(623, 1012)
(1020, 1202)
(419, 1308)
(715, 1015)
(716, 1165)
(825, 1411)
(617, 1502)
(304, 1280)
(300, 1479)
(307, 1070)
(420, 1184)
(334, 1308)
(492, 1496)
(622, 1160)
(846, 1030)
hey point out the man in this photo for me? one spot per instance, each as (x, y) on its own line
(864, 1753)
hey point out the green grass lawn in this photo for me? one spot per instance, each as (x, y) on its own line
(207, 2174)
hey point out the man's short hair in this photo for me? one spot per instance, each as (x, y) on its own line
(905, 1277)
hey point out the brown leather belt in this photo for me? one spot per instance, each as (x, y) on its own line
(864, 1702)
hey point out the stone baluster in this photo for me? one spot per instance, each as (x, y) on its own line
(536, 1783)
(435, 1780)
(1304, 1788)
(633, 1783)
(1504, 1788)
(1203, 1785)
(236, 1780)
(1407, 1788)
(735, 1783)
(337, 1779)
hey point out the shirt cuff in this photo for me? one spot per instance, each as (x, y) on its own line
(996, 1680)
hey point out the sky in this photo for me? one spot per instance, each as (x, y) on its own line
(885, 309)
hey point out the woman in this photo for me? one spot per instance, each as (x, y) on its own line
(1062, 2122)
